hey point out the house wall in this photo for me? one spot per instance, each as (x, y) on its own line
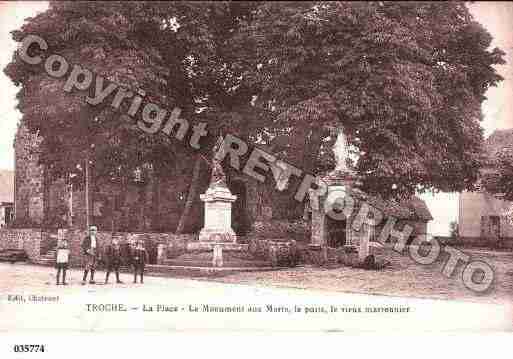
(473, 206)
(135, 208)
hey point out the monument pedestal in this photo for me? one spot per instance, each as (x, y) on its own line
(218, 216)
(217, 258)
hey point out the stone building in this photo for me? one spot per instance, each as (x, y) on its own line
(481, 215)
(28, 187)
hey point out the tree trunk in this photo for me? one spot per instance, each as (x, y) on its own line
(94, 183)
(87, 193)
(313, 140)
(312, 147)
(142, 205)
(124, 217)
(193, 191)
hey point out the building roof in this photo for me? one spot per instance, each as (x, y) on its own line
(419, 208)
(412, 209)
(6, 186)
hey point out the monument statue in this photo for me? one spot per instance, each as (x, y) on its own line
(340, 150)
(218, 206)
(281, 176)
(218, 177)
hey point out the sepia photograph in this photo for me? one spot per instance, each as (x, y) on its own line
(315, 166)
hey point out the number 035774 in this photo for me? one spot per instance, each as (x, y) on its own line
(28, 348)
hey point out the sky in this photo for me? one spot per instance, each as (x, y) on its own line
(497, 18)
(12, 16)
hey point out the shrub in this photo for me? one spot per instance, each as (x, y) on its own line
(279, 253)
(296, 230)
(453, 229)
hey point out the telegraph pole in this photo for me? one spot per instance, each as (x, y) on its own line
(88, 210)
(70, 205)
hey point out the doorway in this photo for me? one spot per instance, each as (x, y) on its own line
(336, 232)
(495, 227)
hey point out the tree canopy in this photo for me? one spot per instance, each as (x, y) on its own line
(500, 181)
(405, 79)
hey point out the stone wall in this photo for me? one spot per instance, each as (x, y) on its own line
(27, 239)
(277, 251)
(492, 243)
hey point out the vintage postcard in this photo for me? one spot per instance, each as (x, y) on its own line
(256, 167)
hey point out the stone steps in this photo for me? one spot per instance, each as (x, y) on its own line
(231, 259)
(48, 259)
(50, 262)
(193, 271)
(50, 254)
(208, 263)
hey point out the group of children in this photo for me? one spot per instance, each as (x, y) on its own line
(137, 257)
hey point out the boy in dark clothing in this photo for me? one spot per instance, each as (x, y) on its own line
(61, 260)
(139, 259)
(113, 260)
(91, 250)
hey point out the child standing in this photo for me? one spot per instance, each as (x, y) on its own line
(139, 259)
(62, 259)
(113, 260)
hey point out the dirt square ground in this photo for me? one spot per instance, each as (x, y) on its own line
(403, 278)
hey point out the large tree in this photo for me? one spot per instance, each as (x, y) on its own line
(497, 174)
(500, 180)
(406, 80)
(111, 41)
